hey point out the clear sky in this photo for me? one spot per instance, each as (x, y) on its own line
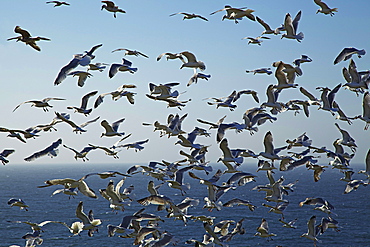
(27, 74)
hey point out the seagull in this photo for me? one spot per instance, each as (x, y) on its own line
(192, 61)
(76, 128)
(236, 13)
(82, 109)
(112, 130)
(171, 56)
(312, 230)
(196, 76)
(82, 154)
(367, 165)
(346, 140)
(263, 231)
(131, 52)
(51, 151)
(278, 209)
(270, 152)
(260, 71)
(97, 66)
(316, 201)
(14, 133)
(82, 76)
(365, 110)
(238, 202)
(227, 154)
(39, 103)
(291, 27)
(136, 145)
(4, 154)
(113, 195)
(327, 98)
(89, 222)
(329, 222)
(125, 66)
(347, 53)
(324, 8)
(353, 185)
(111, 7)
(227, 102)
(188, 16)
(302, 59)
(27, 38)
(289, 224)
(18, 203)
(78, 59)
(71, 192)
(117, 94)
(256, 40)
(272, 97)
(285, 75)
(164, 91)
(71, 183)
(58, 3)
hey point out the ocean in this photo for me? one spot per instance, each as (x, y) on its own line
(21, 181)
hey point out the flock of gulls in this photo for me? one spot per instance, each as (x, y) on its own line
(144, 228)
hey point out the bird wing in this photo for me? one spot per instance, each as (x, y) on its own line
(88, 122)
(48, 150)
(264, 24)
(224, 146)
(288, 24)
(86, 98)
(117, 123)
(66, 69)
(99, 100)
(25, 34)
(190, 56)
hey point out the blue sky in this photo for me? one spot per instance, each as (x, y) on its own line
(147, 27)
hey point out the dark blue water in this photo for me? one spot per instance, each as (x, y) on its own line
(20, 181)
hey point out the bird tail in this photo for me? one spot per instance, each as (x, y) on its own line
(300, 36)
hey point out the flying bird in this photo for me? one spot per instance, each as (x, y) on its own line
(82, 109)
(291, 27)
(324, 8)
(39, 103)
(27, 38)
(131, 52)
(51, 151)
(76, 128)
(188, 16)
(58, 3)
(111, 7)
(125, 66)
(112, 129)
(347, 53)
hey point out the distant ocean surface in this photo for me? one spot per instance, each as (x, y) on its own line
(352, 210)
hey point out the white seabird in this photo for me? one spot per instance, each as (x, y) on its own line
(82, 109)
(51, 151)
(131, 52)
(324, 8)
(347, 53)
(111, 7)
(112, 129)
(76, 128)
(291, 27)
(125, 66)
(27, 38)
(188, 16)
(39, 103)
(192, 61)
